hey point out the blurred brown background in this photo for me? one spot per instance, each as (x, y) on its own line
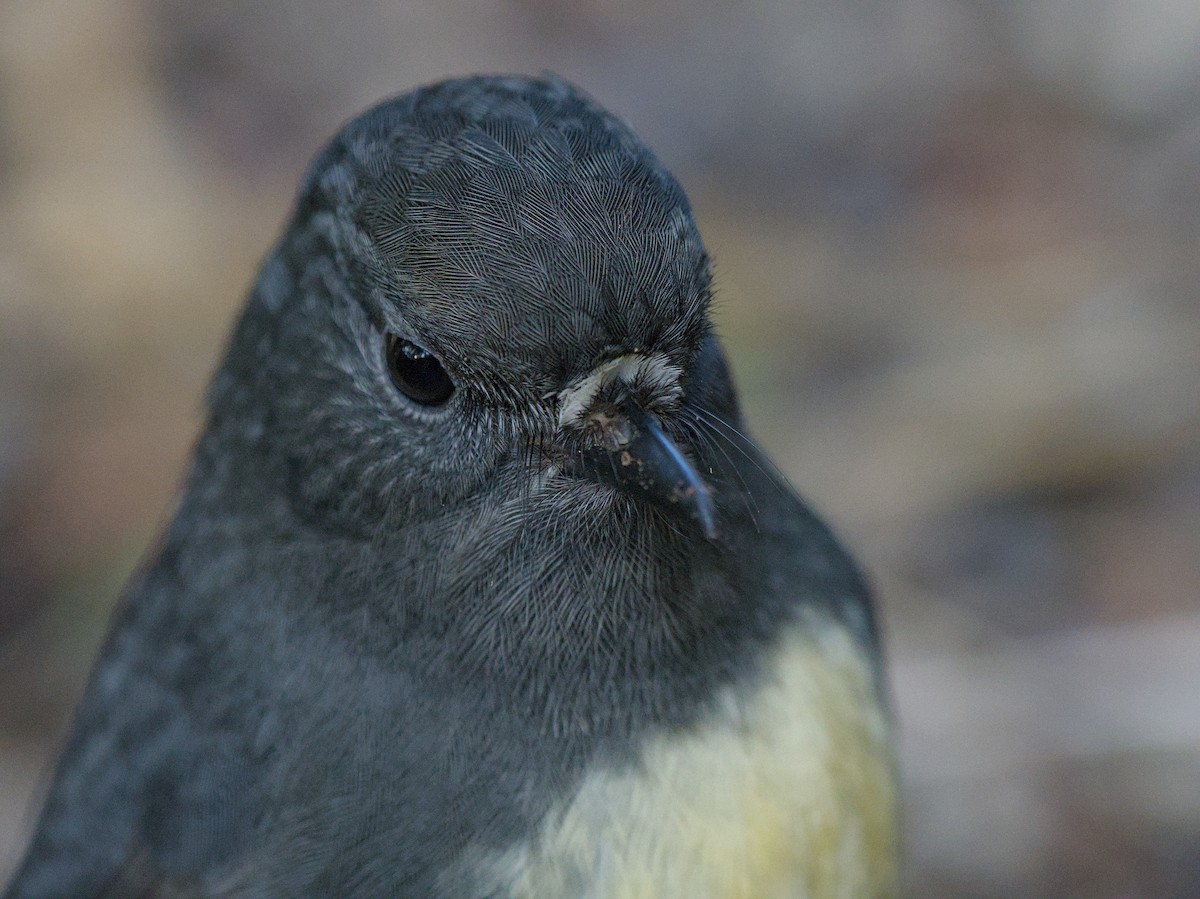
(956, 247)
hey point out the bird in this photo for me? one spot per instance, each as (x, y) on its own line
(476, 585)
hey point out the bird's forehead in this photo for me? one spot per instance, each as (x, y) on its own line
(541, 254)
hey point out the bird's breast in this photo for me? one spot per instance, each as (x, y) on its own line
(786, 790)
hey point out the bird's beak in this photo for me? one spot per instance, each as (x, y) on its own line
(636, 456)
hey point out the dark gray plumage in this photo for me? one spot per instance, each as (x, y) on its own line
(383, 639)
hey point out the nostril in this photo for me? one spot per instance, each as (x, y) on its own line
(609, 429)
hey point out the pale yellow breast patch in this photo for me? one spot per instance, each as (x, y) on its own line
(787, 793)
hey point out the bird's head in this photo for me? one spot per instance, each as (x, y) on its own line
(492, 297)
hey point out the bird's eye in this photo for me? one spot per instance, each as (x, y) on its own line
(417, 373)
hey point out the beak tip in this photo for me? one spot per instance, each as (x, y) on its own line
(706, 517)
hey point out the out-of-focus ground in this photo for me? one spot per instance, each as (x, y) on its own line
(957, 253)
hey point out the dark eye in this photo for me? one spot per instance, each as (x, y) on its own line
(416, 373)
